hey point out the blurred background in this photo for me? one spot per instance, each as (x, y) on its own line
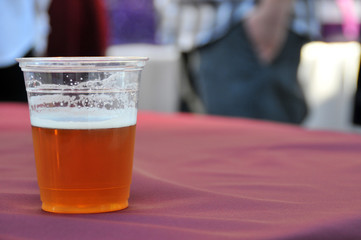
(297, 62)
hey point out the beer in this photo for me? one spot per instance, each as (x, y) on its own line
(82, 169)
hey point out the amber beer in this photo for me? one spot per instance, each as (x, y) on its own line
(84, 170)
(83, 113)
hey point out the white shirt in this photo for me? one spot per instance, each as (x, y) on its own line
(21, 28)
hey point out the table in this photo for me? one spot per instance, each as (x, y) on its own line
(200, 177)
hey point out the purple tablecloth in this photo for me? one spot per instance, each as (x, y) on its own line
(199, 177)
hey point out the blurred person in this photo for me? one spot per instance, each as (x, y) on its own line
(24, 27)
(243, 56)
(78, 28)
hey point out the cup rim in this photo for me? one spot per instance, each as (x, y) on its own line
(84, 64)
(83, 59)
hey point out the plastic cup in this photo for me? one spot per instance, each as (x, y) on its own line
(83, 112)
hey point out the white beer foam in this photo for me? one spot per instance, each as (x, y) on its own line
(73, 118)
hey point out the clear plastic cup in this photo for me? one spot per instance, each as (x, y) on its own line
(83, 112)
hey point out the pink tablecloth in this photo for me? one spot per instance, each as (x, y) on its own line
(199, 177)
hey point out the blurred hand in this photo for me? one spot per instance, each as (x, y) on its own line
(267, 28)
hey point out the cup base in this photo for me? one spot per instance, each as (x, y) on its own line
(110, 207)
(94, 200)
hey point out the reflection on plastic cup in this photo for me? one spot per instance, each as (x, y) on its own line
(83, 112)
